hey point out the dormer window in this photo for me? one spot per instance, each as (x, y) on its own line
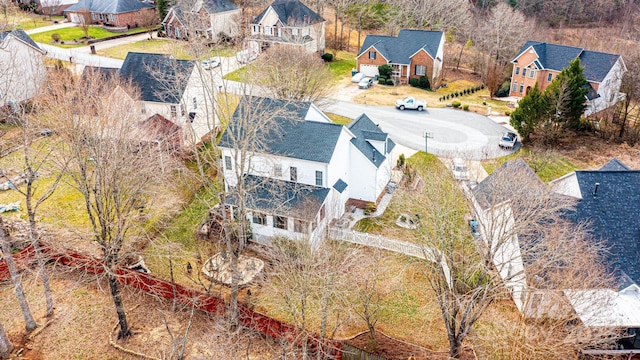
(372, 55)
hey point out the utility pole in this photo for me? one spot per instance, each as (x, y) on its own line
(427, 135)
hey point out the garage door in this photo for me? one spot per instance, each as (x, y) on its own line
(369, 70)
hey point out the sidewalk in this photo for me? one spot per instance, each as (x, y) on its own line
(61, 25)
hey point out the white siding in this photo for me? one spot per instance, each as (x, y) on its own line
(226, 22)
(608, 89)
(363, 177)
(437, 64)
(22, 71)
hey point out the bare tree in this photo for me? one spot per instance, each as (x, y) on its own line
(432, 14)
(292, 73)
(16, 278)
(627, 109)
(150, 21)
(84, 18)
(5, 345)
(118, 174)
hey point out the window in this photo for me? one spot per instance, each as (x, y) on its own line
(195, 103)
(322, 213)
(421, 70)
(524, 72)
(300, 226)
(93, 16)
(521, 88)
(279, 32)
(192, 116)
(293, 173)
(100, 16)
(174, 111)
(143, 109)
(280, 222)
(268, 30)
(517, 70)
(178, 33)
(549, 77)
(227, 163)
(319, 178)
(277, 170)
(515, 87)
(294, 31)
(532, 73)
(372, 55)
(259, 218)
(256, 29)
(112, 18)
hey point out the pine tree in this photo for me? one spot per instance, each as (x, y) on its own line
(566, 95)
(531, 111)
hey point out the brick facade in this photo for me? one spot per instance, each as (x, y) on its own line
(130, 19)
(421, 58)
(365, 60)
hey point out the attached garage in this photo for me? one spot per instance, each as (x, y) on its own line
(369, 70)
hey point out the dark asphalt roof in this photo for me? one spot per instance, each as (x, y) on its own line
(614, 214)
(109, 6)
(287, 134)
(398, 50)
(106, 73)
(364, 129)
(282, 197)
(615, 165)
(20, 34)
(340, 185)
(556, 57)
(291, 13)
(218, 6)
(159, 77)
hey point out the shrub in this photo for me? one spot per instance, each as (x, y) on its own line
(465, 107)
(382, 80)
(389, 81)
(370, 208)
(503, 91)
(327, 57)
(484, 102)
(507, 113)
(385, 71)
(473, 90)
(424, 82)
(481, 86)
(401, 161)
(456, 104)
(447, 96)
(55, 37)
(414, 82)
(478, 88)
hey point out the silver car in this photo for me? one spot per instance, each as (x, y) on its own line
(365, 83)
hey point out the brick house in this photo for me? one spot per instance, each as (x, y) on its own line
(539, 62)
(287, 22)
(209, 18)
(117, 13)
(411, 54)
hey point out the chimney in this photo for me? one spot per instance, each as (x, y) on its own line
(595, 190)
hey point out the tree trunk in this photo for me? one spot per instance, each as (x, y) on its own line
(39, 257)
(460, 56)
(335, 31)
(30, 323)
(454, 347)
(232, 311)
(5, 345)
(125, 331)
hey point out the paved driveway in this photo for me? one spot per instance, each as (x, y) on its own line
(455, 133)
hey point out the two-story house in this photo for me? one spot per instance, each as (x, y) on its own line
(411, 54)
(539, 62)
(23, 70)
(302, 169)
(288, 22)
(174, 89)
(210, 18)
(118, 13)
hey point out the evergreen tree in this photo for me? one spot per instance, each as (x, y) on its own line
(531, 111)
(566, 95)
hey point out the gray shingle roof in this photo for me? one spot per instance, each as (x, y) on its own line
(106, 73)
(282, 197)
(340, 185)
(109, 6)
(291, 13)
(364, 129)
(556, 57)
(290, 136)
(614, 215)
(159, 77)
(20, 34)
(615, 165)
(398, 50)
(218, 6)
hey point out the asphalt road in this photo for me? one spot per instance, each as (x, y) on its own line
(453, 133)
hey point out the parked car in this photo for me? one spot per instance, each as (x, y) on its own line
(411, 103)
(459, 169)
(357, 77)
(365, 83)
(246, 56)
(210, 64)
(508, 140)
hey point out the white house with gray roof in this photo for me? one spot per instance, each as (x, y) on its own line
(209, 18)
(287, 22)
(304, 170)
(22, 64)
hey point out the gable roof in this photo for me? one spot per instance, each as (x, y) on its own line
(291, 13)
(105, 73)
(21, 35)
(364, 129)
(290, 135)
(556, 57)
(159, 77)
(190, 7)
(217, 6)
(399, 49)
(613, 211)
(109, 6)
(282, 197)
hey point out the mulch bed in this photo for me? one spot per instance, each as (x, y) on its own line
(392, 349)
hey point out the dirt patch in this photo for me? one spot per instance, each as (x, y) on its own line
(392, 349)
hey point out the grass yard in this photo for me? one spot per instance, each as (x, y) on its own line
(162, 46)
(342, 64)
(30, 21)
(73, 34)
(339, 119)
(549, 165)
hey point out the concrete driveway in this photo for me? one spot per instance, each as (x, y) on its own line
(453, 133)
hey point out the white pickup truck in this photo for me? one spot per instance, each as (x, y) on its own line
(411, 103)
